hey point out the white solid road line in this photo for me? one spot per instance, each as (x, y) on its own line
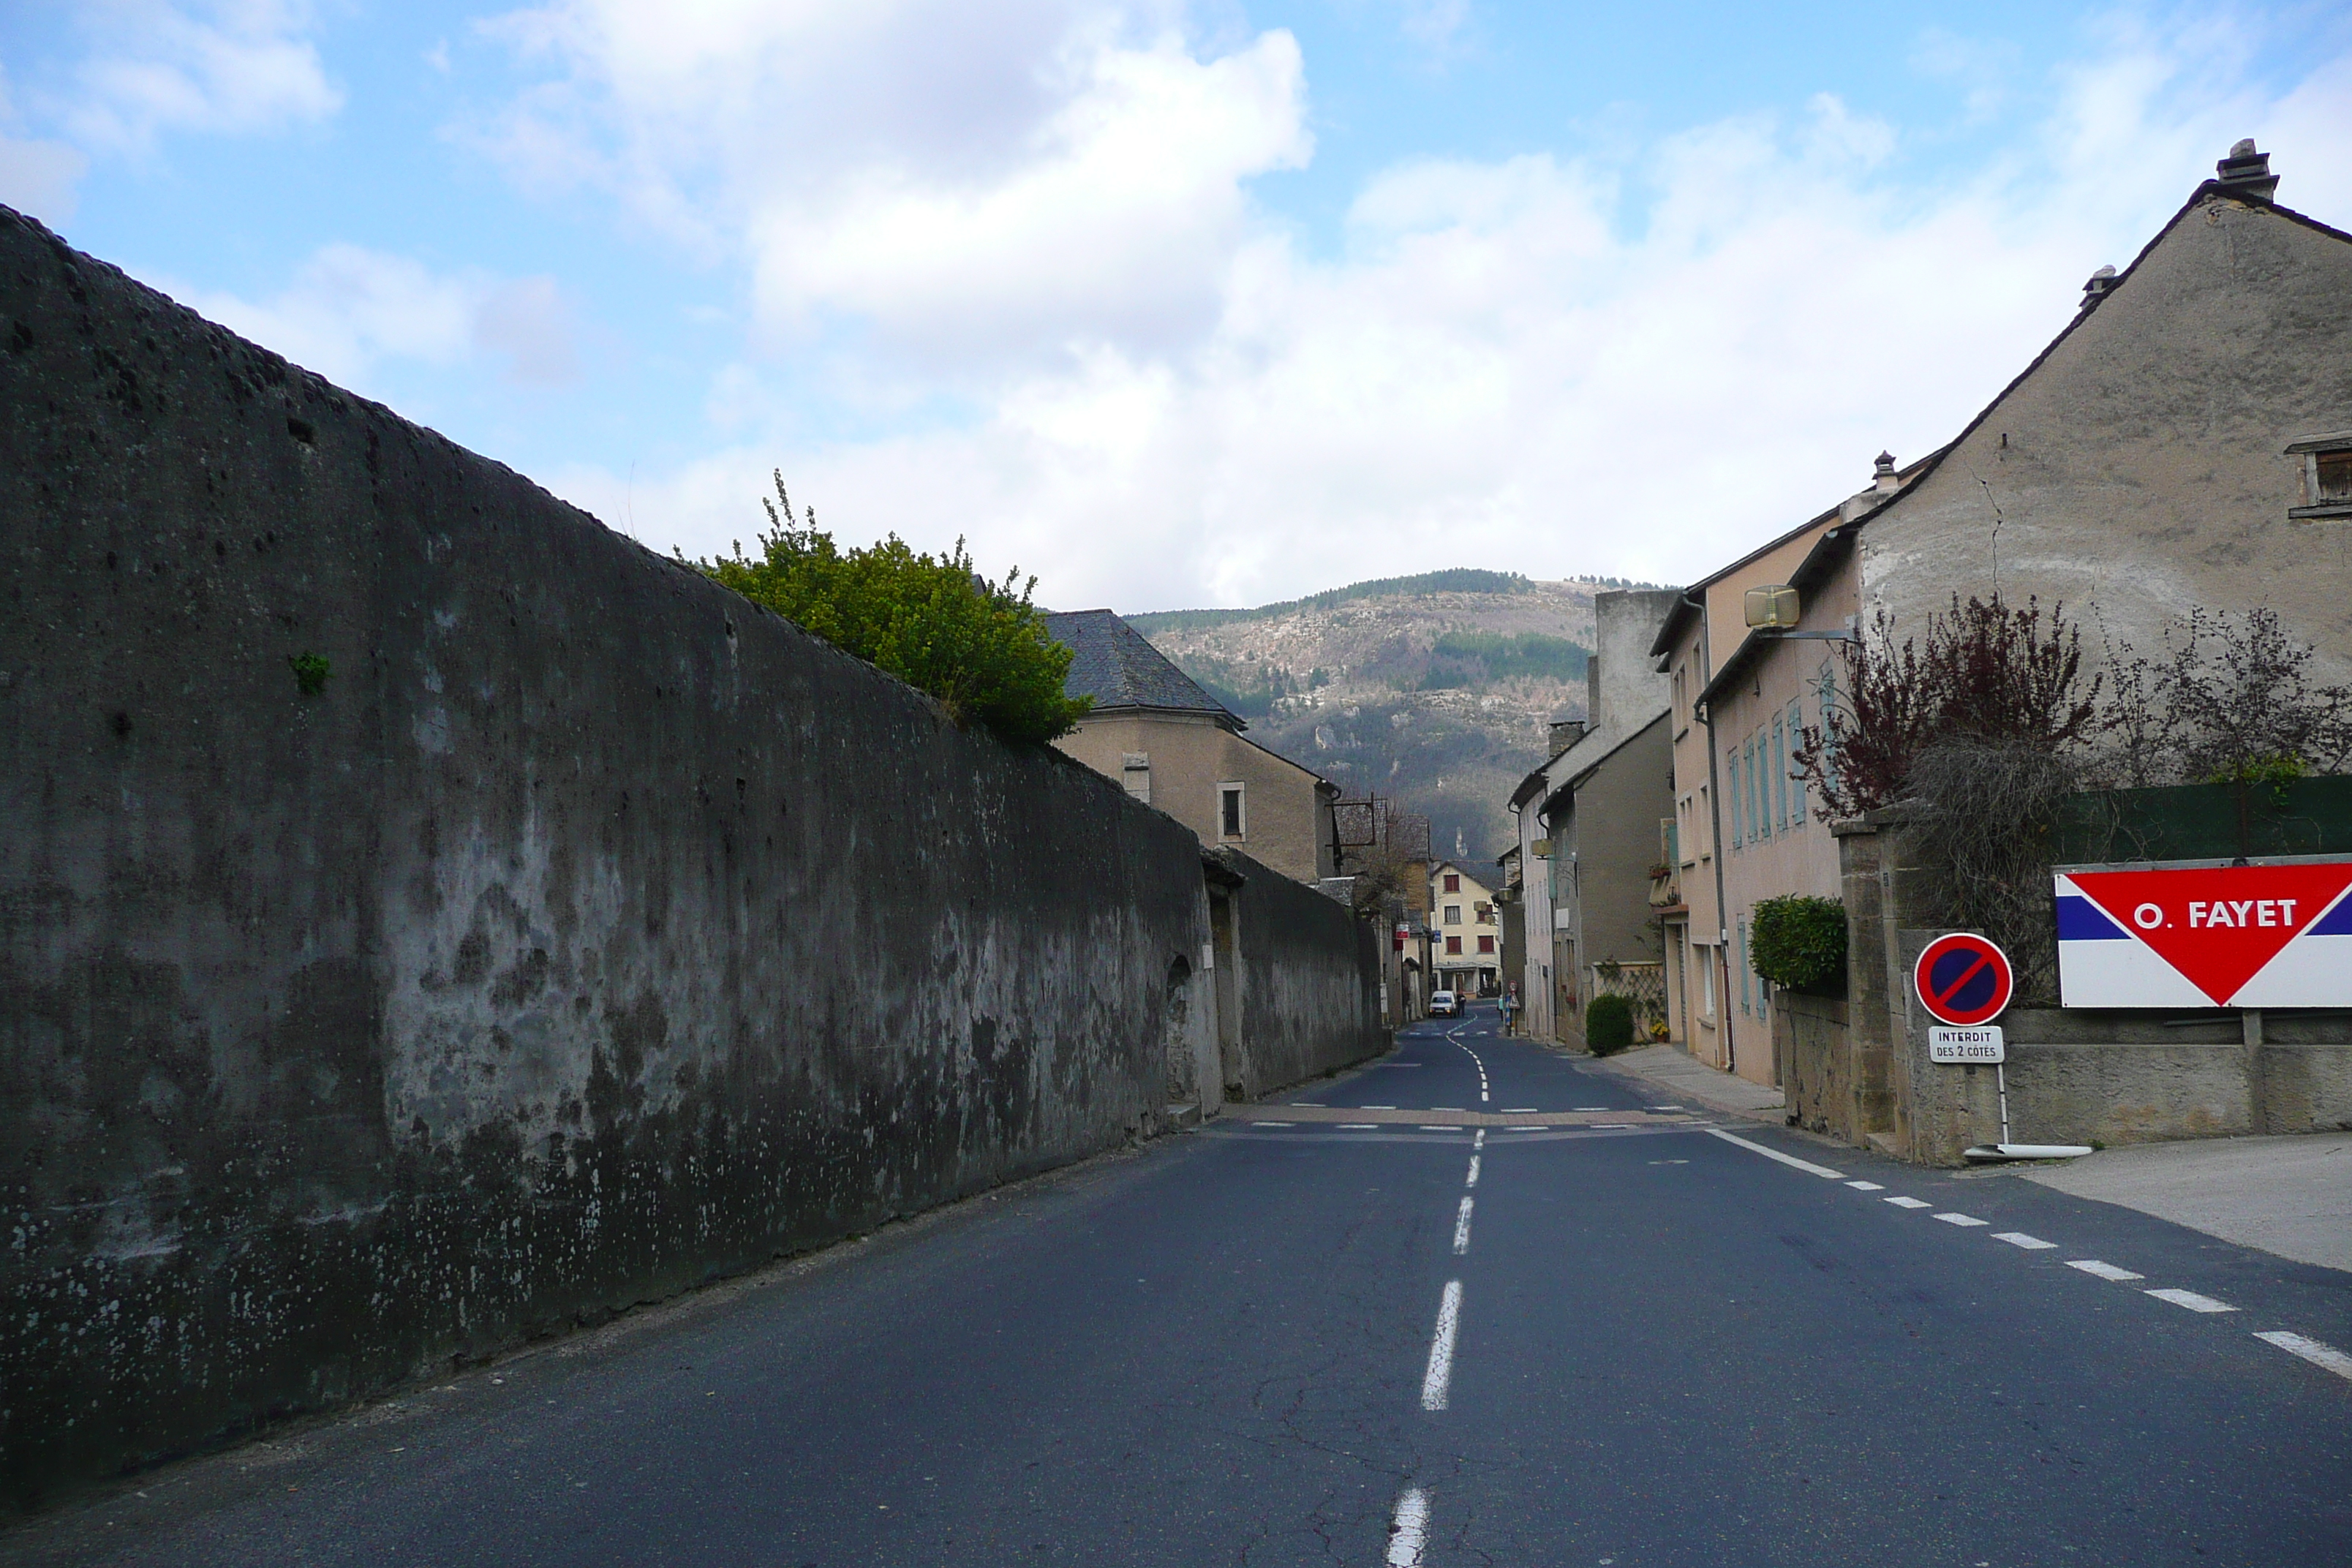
(1805, 1165)
(1866, 1186)
(1439, 1379)
(2103, 1271)
(2019, 1238)
(2312, 1350)
(1462, 1227)
(2192, 1300)
(1960, 1219)
(1472, 1180)
(1902, 1203)
(1409, 1533)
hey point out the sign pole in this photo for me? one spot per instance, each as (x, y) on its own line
(2000, 1081)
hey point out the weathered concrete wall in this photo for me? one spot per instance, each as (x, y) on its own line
(1826, 1082)
(1308, 983)
(502, 983)
(2075, 1075)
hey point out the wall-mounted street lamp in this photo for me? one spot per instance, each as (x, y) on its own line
(1774, 609)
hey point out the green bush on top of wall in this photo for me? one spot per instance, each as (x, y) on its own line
(1799, 942)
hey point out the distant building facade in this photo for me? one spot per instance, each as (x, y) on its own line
(1466, 933)
(1588, 827)
(1174, 747)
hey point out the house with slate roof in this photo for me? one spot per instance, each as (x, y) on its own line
(2184, 443)
(1175, 747)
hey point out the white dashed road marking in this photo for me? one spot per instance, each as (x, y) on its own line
(1277, 1124)
(2019, 1238)
(1360, 1127)
(1960, 1219)
(1473, 1179)
(2103, 1271)
(1805, 1165)
(1461, 1228)
(1438, 1381)
(2312, 1350)
(1521, 1109)
(1479, 1141)
(2192, 1300)
(1904, 1203)
(1866, 1186)
(1410, 1532)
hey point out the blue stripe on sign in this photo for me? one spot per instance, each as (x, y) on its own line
(2079, 920)
(2336, 921)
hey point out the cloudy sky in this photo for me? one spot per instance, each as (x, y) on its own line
(1172, 304)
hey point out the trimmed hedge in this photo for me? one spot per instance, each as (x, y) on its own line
(1608, 1023)
(1799, 942)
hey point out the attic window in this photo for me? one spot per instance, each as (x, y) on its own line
(2326, 477)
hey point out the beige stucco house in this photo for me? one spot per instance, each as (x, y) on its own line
(1175, 747)
(1466, 933)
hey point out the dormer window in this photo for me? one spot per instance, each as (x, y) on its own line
(2326, 478)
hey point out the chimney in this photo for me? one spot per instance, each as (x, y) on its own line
(1566, 733)
(1882, 478)
(2098, 284)
(2246, 172)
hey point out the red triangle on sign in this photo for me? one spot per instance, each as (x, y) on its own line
(2217, 926)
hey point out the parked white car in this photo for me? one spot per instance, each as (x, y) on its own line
(1441, 1004)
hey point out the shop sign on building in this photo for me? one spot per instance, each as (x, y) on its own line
(2206, 935)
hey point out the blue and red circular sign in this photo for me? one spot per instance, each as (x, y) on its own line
(1964, 980)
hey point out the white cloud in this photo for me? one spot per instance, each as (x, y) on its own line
(349, 309)
(230, 66)
(974, 185)
(1640, 367)
(36, 177)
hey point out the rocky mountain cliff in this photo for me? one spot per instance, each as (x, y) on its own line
(1436, 690)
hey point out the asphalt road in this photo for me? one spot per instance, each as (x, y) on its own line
(1266, 1344)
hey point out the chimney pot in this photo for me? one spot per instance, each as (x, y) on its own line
(1882, 476)
(2246, 172)
(2098, 284)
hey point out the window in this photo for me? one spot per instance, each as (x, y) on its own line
(2326, 477)
(1760, 795)
(1796, 783)
(1780, 777)
(1483, 914)
(1485, 945)
(1453, 914)
(1233, 817)
(1706, 981)
(1453, 945)
(1453, 883)
(1742, 953)
(1135, 772)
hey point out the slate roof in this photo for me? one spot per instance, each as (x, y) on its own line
(1116, 666)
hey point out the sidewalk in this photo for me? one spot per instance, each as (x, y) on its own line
(2291, 1196)
(1692, 1081)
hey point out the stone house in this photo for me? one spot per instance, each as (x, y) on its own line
(2184, 443)
(1175, 747)
(1588, 824)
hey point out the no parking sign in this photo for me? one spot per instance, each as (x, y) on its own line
(1964, 981)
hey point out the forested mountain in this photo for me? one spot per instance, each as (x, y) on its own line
(1436, 690)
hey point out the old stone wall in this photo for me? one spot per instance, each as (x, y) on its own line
(1309, 983)
(587, 932)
